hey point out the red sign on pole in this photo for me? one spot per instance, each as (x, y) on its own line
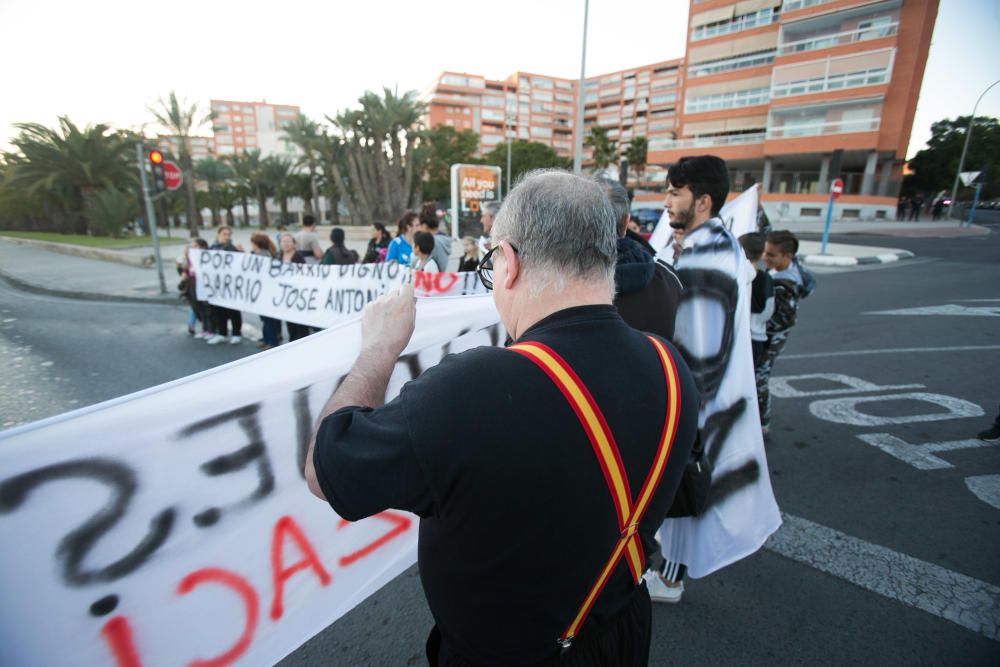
(172, 175)
(835, 189)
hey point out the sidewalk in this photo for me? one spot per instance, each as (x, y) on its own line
(119, 275)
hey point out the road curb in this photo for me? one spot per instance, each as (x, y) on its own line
(17, 283)
(835, 260)
(102, 254)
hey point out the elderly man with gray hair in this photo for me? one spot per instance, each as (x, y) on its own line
(489, 214)
(646, 291)
(541, 487)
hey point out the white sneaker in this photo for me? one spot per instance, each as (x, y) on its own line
(235, 340)
(215, 340)
(204, 335)
(659, 591)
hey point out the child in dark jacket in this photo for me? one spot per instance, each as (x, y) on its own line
(789, 288)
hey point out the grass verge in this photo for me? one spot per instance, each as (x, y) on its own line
(93, 241)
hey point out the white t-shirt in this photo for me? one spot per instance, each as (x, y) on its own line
(430, 266)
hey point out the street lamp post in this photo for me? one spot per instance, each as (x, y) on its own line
(580, 91)
(510, 132)
(965, 148)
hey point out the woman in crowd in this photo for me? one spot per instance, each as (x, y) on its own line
(338, 252)
(401, 247)
(377, 244)
(261, 244)
(198, 311)
(222, 317)
(470, 255)
(289, 255)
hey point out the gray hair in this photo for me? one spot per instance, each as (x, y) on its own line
(618, 196)
(562, 226)
(491, 207)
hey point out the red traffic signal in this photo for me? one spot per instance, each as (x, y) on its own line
(156, 169)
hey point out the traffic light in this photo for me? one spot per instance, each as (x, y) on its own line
(156, 168)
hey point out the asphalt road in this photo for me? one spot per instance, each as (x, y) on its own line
(889, 551)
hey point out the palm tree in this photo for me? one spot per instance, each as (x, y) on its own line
(183, 119)
(304, 134)
(255, 171)
(275, 173)
(604, 147)
(243, 182)
(635, 153)
(214, 174)
(67, 166)
(378, 175)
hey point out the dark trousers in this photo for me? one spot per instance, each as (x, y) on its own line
(296, 331)
(271, 334)
(223, 316)
(200, 309)
(621, 641)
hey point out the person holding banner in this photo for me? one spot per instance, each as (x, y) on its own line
(401, 247)
(223, 317)
(738, 512)
(261, 244)
(533, 533)
(289, 255)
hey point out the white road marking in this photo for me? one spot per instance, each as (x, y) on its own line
(843, 410)
(947, 309)
(986, 488)
(922, 456)
(898, 350)
(781, 386)
(964, 600)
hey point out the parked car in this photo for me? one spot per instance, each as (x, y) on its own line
(647, 218)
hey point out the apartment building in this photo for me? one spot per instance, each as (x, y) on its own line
(774, 87)
(244, 126)
(200, 147)
(641, 101)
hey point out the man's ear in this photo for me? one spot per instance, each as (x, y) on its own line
(704, 204)
(513, 265)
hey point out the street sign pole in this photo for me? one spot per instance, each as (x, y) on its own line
(975, 203)
(835, 189)
(150, 215)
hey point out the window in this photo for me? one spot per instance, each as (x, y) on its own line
(735, 24)
(729, 100)
(853, 71)
(541, 131)
(563, 97)
(542, 83)
(492, 101)
(663, 98)
(729, 64)
(220, 107)
(542, 95)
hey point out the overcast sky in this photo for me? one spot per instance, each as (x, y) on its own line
(107, 60)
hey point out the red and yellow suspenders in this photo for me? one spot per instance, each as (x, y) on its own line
(606, 450)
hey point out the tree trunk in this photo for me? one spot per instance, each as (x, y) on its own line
(283, 203)
(193, 216)
(334, 203)
(230, 222)
(246, 211)
(262, 218)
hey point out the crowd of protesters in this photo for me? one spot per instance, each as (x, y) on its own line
(419, 243)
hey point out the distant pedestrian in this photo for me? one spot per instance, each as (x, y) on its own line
(338, 253)
(224, 318)
(198, 312)
(377, 244)
(430, 223)
(789, 289)
(423, 252)
(401, 247)
(307, 241)
(901, 209)
(761, 298)
(289, 255)
(915, 205)
(938, 207)
(261, 244)
(470, 255)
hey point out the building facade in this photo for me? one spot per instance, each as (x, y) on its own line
(200, 147)
(774, 87)
(245, 126)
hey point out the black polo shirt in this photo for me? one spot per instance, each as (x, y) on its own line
(517, 520)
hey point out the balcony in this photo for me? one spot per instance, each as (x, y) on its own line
(791, 5)
(835, 73)
(874, 31)
(736, 24)
(706, 142)
(729, 64)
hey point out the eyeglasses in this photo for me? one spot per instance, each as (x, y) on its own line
(485, 270)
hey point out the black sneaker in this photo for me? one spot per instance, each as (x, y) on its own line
(992, 434)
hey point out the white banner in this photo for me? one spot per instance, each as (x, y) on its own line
(313, 294)
(174, 527)
(713, 334)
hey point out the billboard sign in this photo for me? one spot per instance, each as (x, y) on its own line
(472, 185)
